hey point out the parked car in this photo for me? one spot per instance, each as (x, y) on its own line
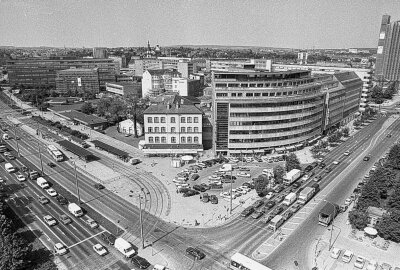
(195, 253)
(386, 266)
(243, 174)
(65, 219)
(199, 188)
(190, 193)
(214, 199)
(372, 265)
(62, 200)
(348, 201)
(51, 192)
(347, 256)
(99, 249)
(270, 195)
(269, 205)
(49, 220)
(140, 262)
(335, 253)
(359, 263)
(194, 177)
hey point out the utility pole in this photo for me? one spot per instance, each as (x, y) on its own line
(76, 183)
(41, 161)
(141, 221)
(16, 139)
(231, 194)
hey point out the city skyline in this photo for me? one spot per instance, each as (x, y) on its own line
(290, 24)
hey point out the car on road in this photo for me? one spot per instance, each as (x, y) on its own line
(347, 256)
(257, 214)
(20, 177)
(277, 210)
(305, 177)
(98, 186)
(347, 153)
(52, 192)
(140, 262)
(51, 164)
(308, 168)
(244, 169)
(296, 185)
(11, 157)
(336, 162)
(62, 200)
(90, 223)
(195, 253)
(247, 212)
(243, 174)
(43, 200)
(206, 186)
(24, 169)
(296, 207)
(372, 265)
(287, 214)
(270, 195)
(258, 203)
(359, 263)
(278, 188)
(49, 220)
(322, 165)
(317, 178)
(269, 205)
(108, 238)
(366, 158)
(328, 170)
(60, 249)
(2, 159)
(335, 253)
(266, 219)
(279, 198)
(347, 202)
(65, 219)
(99, 249)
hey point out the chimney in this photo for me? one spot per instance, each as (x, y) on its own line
(169, 106)
(177, 105)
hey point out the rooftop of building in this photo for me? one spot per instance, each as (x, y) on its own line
(161, 71)
(77, 70)
(84, 118)
(172, 109)
(174, 99)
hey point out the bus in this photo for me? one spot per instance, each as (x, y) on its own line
(55, 153)
(241, 262)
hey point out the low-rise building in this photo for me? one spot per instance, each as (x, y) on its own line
(187, 87)
(125, 88)
(172, 129)
(128, 127)
(157, 81)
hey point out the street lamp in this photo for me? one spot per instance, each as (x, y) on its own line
(76, 183)
(40, 156)
(141, 215)
(334, 215)
(16, 139)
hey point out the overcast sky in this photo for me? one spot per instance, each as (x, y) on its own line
(277, 23)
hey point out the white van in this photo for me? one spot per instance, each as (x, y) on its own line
(124, 247)
(9, 167)
(74, 209)
(42, 182)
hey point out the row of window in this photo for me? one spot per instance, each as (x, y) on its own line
(272, 84)
(162, 119)
(268, 131)
(274, 122)
(278, 104)
(271, 94)
(163, 139)
(280, 138)
(173, 129)
(252, 114)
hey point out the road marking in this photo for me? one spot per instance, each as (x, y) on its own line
(80, 242)
(57, 228)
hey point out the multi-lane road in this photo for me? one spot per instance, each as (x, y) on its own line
(219, 243)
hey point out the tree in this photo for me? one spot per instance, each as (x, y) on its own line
(358, 219)
(279, 173)
(260, 185)
(15, 251)
(323, 144)
(103, 106)
(135, 109)
(346, 131)
(394, 157)
(389, 227)
(87, 108)
(292, 162)
(53, 93)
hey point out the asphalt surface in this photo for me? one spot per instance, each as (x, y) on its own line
(240, 235)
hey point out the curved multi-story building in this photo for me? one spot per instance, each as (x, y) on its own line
(259, 112)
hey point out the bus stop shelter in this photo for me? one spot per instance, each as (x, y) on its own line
(82, 153)
(111, 149)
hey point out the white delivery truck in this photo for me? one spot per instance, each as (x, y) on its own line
(9, 167)
(124, 247)
(305, 195)
(291, 177)
(276, 222)
(290, 198)
(74, 209)
(42, 182)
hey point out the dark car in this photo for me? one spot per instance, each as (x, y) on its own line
(328, 170)
(314, 164)
(190, 193)
(296, 185)
(206, 186)
(277, 210)
(299, 190)
(205, 197)
(99, 186)
(199, 188)
(140, 262)
(279, 198)
(247, 212)
(269, 205)
(308, 168)
(1, 159)
(108, 238)
(24, 169)
(318, 178)
(295, 207)
(287, 214)
(195, 253)
(322, 165)
(366, 158)
(194, 177)
(279, 188)
(62, 200)
(214, 199)
(51, 164)
(258, 203)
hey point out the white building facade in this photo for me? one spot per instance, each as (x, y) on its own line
(127, 127)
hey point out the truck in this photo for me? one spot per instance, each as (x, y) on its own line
(328, 214)
(42, 182)
(276, 222)
(74, 209)
(126, 248)
(307, 193)
(290, 198)
(291, 177)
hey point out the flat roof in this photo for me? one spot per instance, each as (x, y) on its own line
(84, 118)
(173, 146)
(79, 151)
(110, 148)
